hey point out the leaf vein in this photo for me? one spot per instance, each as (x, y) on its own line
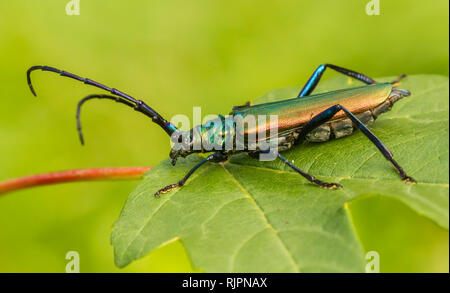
(269, 225)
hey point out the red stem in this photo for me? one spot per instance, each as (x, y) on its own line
(72, 175)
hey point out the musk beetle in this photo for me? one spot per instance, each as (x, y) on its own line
(316, 118)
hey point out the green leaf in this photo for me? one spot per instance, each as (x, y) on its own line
(250, 216)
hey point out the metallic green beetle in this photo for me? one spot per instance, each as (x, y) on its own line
(315, 118)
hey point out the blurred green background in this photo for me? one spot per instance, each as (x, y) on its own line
(176, 55)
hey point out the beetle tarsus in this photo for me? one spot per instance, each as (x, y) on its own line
(327, 185)
(408, 179)
(398, 79)
(167, 189)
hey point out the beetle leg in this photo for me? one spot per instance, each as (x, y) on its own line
(315, 78)
(398, 79)
(309, 177)
(216, 157)
(326, 115)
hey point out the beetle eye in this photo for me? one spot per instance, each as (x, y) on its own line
(180, 139)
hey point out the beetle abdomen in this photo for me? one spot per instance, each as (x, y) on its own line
(339, 128)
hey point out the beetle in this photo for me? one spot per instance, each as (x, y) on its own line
(314, 118)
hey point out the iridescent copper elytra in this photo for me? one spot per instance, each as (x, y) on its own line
(315, 118)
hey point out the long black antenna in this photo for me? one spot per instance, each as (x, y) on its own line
(121, 97)
(117, 99)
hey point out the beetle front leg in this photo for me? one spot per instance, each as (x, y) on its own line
(216, 157)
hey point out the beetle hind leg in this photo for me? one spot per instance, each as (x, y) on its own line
(328, 114)
(397, 81)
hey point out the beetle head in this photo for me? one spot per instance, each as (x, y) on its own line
(185, 143)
